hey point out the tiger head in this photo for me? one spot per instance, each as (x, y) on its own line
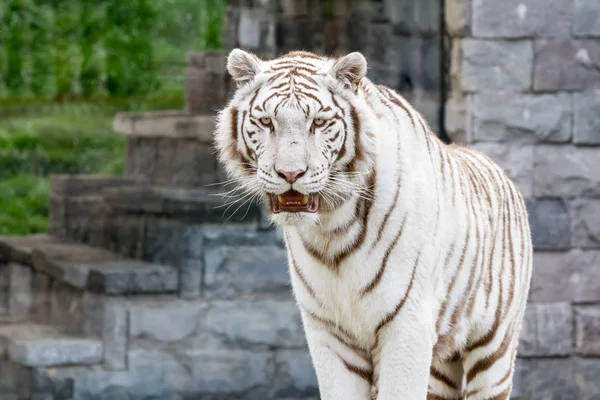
(296, 132)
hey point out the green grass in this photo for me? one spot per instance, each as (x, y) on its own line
(32, 148)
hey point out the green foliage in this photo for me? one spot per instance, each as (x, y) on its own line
(73, 49)
(33, 148)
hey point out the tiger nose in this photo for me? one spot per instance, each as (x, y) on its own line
(291, 176)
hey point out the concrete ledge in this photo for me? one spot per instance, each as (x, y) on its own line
(169, 124)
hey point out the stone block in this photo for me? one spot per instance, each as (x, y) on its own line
(85, 219)
(497, 65)
(518, 18)
(37, 345)
(227, 371)
(57, 216)
(14, 378)
(559, 378)
(585, 222)
(20, 295)
(586, 117)
(246, 323)
(166, 124)
(51, 352)
(114, 336)
(237, 235)
(164, 318)
(18, 249)
(586, 18)
(456, 118)
(66, 185)
(93, 305)
(4, 287)
(245, 270)
(566, 64)
(516, 161)
(550, 224)
(175, 243)
(415, 18)
(141, 158)
(566, 276)
(125, 233)
(566, 171)
(192, 205)
(526, 118)
(66, 307)
(295, 374)
(587, 330)
(132, 277)
(41, 289)
(547, 330)
(458, 17)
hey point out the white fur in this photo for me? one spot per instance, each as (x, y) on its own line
(437, 211)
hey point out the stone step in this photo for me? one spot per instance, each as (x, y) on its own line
(88, 268)
(8, 319)
(36, 345)
(200, 204)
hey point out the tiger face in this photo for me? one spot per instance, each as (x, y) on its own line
(293, 134)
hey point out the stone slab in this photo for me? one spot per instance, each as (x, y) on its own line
(69, 185)
(227, 371)
(20, 294)
(251, 323)
(199, 205)
(549, 223)
(586, 18)
(559, 378)
(170, 124)
(566, 276)
(586, 117)
(587, 330)
(18, 248)
(131, 277)
(115, 333)
(41, 346)
(585, 222)
(164, 318)
(497, 65)
(566, 64)
(566, 171)
(526, 118)
(547, 330)
(95, 269)
(521, 18)
(458, 17)
(295, 374)
(245, 270)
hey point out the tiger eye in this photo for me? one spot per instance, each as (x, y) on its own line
(319, 121)
(265, 121)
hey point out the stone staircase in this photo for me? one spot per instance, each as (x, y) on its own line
(143, 289)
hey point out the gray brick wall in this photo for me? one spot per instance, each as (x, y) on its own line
(525, 89)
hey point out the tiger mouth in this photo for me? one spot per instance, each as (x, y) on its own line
(294, 202)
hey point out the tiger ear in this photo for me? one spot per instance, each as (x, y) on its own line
(350, 69)
(242, 66)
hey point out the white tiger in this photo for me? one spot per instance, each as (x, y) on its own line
(410, 259)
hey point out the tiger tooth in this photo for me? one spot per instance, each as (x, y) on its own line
(304, 200)
(281, 200)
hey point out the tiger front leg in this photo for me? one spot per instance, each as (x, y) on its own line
(403, 359)
(342, 374)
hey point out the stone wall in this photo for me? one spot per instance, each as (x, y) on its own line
(525, 89)
(400, 38)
